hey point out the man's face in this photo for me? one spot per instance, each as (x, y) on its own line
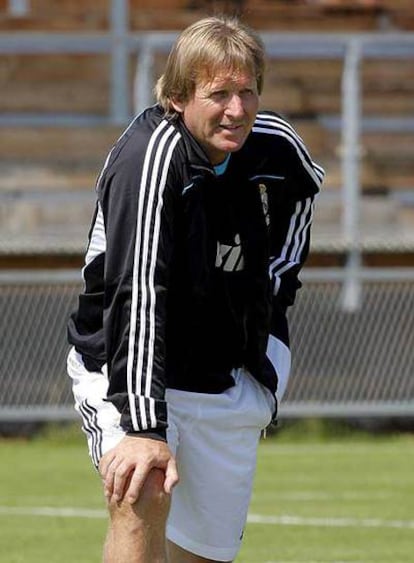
(221, 113)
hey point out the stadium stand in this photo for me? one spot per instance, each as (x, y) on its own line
(59, 115)
(48, 170)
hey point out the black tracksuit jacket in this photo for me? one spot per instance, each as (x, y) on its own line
(188, 272)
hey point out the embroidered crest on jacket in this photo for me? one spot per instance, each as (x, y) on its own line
(265, 202)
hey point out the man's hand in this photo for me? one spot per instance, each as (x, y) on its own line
(124, 468)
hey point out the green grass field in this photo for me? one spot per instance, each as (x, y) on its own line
(316, 499)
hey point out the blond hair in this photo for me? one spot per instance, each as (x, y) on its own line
(204, 49)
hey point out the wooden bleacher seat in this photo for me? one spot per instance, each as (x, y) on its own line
(65, 15)
(308, 16)
(55, 83)
(316, 15)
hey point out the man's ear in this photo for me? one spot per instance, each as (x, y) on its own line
(177, 105)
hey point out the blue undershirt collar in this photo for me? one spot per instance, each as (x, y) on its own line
(221, 168)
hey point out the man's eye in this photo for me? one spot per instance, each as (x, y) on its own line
(219, 94)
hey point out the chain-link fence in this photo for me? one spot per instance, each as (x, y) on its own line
(353, 362)
(35, 308)
(345, 362)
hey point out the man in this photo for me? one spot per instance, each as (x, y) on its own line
(202, 222)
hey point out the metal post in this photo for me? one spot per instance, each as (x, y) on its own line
(18, 8)
(351, 114)
(143, 81)
(119, 62)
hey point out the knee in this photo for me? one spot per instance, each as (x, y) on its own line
(151, 508)
(152, 493)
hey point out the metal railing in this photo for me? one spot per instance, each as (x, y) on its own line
(345, 364)
(120, 43)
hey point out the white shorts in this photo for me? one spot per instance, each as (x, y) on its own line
(214, 439)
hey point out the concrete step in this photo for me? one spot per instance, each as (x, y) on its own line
(71, 211)
(24, 179)
(374, 210)
(40, 213)
(58, 222)
(32, 154)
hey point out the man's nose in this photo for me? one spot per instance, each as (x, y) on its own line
(235, 106)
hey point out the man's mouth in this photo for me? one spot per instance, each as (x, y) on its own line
(230, 127)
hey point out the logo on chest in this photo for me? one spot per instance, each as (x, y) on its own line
(229, 257)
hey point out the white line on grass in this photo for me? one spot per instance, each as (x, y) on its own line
(67, 512)
(330, 522)
(283, 520)
(326, 448)
(321, 496)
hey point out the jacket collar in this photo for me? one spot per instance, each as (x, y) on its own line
(195, 153)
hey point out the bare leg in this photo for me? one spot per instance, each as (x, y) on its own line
(177, 554)
(136, 532)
